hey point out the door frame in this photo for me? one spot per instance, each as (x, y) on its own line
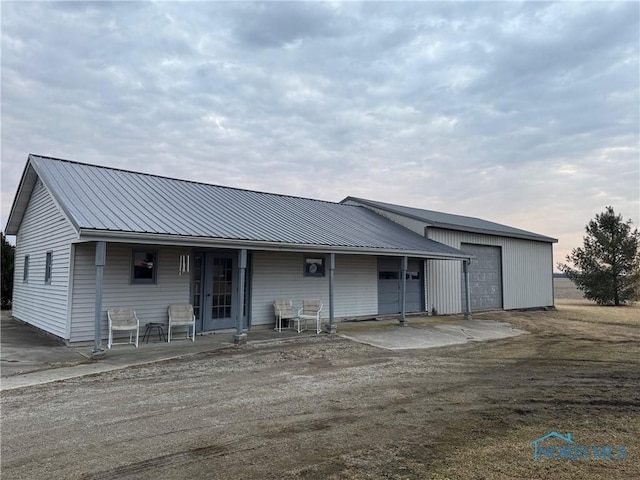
(204, 303)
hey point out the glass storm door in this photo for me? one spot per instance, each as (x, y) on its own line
(214, 285)
(219, 297)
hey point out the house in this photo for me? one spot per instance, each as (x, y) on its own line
(89, 238)
(511, 269)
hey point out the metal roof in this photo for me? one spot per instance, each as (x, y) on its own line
(453, 222)
(111, 202)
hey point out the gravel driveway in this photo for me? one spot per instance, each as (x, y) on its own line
(327, 407)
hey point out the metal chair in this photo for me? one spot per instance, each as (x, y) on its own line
(123, 319)
(182, 316)
(310, 311)
(283, 310)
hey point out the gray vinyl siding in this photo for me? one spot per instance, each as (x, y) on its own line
(43, 229)
(149, 301)
(526, 272)
(280, 275)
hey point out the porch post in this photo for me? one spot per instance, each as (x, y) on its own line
(239, 336)
(101, 254)
(467, 293)
(403, 292)
(332, 269)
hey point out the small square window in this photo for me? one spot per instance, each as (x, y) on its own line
(25, 271)
(413, 275)
(144, 266)
(47, 267)
(314, 266)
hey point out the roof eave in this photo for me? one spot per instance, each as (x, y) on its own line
(92, 235)
(21, 200)
(495, 233)
(448, 226)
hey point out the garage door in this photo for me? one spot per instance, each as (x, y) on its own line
(389, 275)
(485, 277)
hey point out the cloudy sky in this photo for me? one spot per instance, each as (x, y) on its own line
(525, 114)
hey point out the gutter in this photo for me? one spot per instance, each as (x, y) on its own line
(90, 235)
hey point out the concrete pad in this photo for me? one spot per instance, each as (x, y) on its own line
(480, 330)
(436, 335)
(27, 349)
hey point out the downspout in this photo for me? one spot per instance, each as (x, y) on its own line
(403, 292)
(467, 292)
(101, 255)
(332, 268)
(239, 336)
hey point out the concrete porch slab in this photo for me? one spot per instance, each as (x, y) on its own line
(425, 335)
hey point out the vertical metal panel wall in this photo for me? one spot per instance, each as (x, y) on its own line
(526, 271)
(44, 228)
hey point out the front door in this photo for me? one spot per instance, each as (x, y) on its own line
(214, 285)
(220, 280)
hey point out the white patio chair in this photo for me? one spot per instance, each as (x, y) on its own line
(182, 316)
(123, 319)
(283, 310)
(310, 311)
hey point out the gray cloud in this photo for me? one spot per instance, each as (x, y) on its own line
(521, 113)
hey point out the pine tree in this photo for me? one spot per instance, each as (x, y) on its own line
(607, 267)
(8, 252)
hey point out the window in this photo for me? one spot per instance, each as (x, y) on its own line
(47, 267)
(413, 275)
(25, 272)
(386, 275)
(144, 266)
(314, 266)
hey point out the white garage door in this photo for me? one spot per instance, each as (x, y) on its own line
(485, 277)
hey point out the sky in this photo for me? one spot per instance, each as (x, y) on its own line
(522, 113)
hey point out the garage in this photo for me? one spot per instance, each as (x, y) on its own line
(389, 288)
(485, 277)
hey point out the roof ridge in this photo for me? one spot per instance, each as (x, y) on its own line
(194, 182)
(453, 219)
(432, 211)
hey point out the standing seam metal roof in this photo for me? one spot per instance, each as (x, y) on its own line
(454, 222)
(106, 199)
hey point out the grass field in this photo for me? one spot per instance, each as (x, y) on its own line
(564, 288)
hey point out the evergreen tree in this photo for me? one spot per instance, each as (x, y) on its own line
(607, 267)
(8, 252)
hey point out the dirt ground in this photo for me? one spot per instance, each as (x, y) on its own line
(329, 408)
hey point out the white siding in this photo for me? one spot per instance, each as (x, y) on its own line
(444, 289)
(44, 228)
(280, 275)
(149, 301)
(526, 272)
